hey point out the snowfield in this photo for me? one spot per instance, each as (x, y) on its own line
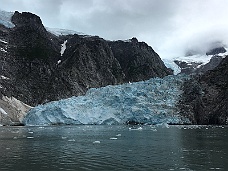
(5, 19)
(61, 32)
(199, 58)
(146, 102)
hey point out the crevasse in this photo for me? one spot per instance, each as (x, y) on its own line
(146, 102)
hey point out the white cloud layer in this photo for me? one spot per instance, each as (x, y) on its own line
(170, 26)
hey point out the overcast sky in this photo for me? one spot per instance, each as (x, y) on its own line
(169, 26)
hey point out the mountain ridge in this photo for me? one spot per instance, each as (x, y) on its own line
(38, 70)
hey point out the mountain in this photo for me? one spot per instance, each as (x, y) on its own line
(102, 82)
(38, 66)
(39, 73)
(195, 62)
(205, 97)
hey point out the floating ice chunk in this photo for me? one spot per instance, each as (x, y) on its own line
(113, 138)
(136, 129)
(71, 140)
(96, 142)
(30, 137)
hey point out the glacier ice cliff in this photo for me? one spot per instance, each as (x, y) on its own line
(146, 102)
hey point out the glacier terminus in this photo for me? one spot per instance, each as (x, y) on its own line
(145, 102)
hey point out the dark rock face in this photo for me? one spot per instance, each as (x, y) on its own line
(138, 60)
(37, 73)
(187, 67)
(214, 62)
(216, 51)
(205, 98)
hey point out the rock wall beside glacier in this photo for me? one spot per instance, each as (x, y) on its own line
(205, 97)
(12, 111)
(146, 102)
(39, 71)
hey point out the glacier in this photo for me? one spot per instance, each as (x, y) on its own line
(5, 19)
(145, 102)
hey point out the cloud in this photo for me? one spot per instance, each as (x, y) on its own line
(170, 27)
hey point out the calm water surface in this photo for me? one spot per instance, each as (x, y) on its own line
(113, 148)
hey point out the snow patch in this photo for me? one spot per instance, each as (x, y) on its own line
(3, 50)
(127, 41)
(195, 58)
(3, 41)
(3, 111)
(5, 19)
(63, 47)
(61, 32)
(3, 77)
(224, 54)
(169, 63)
(59, 61)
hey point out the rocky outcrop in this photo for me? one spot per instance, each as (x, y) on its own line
(38, 70)
(187, 67)
(213, 63)
(205, 97)
(138, 60)
(12, 111)
(215, 51)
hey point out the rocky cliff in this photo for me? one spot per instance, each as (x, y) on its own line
(38, 66)
(205, 97)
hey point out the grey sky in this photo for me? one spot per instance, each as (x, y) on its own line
(169, 26)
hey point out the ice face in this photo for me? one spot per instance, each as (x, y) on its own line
(5, 19)
(169, 63)
(146, 102)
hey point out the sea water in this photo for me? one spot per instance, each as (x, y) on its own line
(97, 147)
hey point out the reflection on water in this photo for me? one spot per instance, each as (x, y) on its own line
(113, 148)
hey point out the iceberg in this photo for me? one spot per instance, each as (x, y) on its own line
(145, 102)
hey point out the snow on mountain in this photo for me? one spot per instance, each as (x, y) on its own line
(61, 32)
(201, 59)
(147, 102)
(169, 63)
(5, 19)
(63, 47)
(3, 41)
(3, 111)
